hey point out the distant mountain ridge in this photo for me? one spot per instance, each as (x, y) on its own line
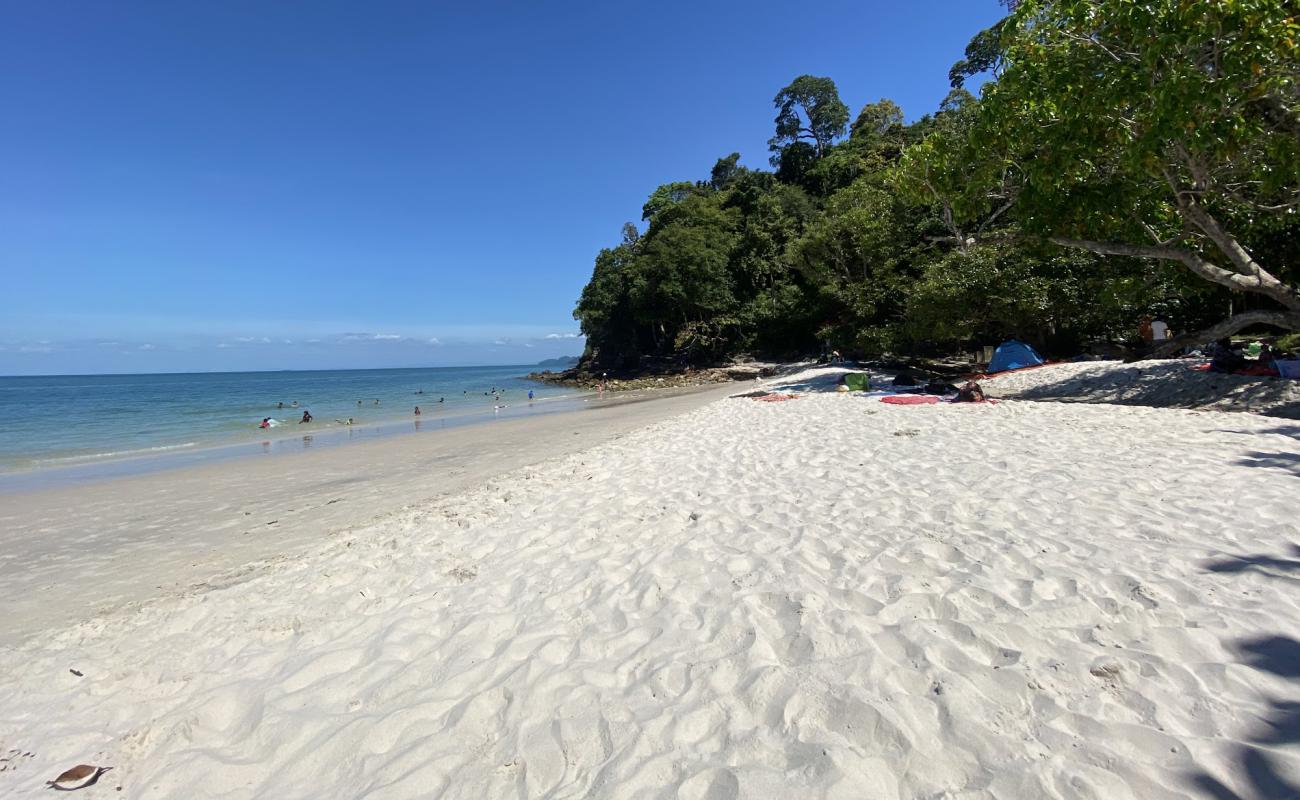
(562, 361)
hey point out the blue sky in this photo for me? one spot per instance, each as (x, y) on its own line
(279, 185)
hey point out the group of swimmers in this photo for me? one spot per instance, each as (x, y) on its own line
(495, 393)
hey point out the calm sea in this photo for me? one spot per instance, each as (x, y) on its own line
(79, 426)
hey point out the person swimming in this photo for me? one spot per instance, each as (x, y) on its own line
(440, 399)
(266, 422)
(306, 416)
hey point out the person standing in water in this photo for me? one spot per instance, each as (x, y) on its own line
(417, 411)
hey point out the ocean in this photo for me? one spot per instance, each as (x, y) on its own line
(68, 428)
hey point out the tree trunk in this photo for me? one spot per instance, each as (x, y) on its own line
(1286, 320)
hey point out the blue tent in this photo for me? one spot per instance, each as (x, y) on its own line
(1013, 355)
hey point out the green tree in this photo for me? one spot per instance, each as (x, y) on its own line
(877, 120)
(726, 170)
(1056, 300)
(1165, 129)
(665, 197)
(604, 310)
(809, 109)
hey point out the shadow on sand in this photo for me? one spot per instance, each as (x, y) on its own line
(1279, 728)
(1287, 462)
(1258, 562)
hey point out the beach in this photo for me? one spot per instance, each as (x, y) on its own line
(700, 597)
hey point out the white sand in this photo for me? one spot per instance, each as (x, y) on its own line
(822, 598)
(72, 552)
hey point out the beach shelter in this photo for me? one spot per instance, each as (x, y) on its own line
(1012, 354)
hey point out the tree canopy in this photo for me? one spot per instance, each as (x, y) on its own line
(809, 108)
(1122, 159)
(1164, 129)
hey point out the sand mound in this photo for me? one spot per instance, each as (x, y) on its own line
(1163, 384)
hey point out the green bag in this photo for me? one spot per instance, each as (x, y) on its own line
(858, 381)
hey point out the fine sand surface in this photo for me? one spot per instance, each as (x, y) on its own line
(72, 552)
(827, 597)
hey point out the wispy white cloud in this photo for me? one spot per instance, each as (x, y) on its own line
(371, 337)
(563, 335)
(147, 346)
(433, 340)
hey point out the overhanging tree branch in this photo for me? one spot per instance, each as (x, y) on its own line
(1259, 283)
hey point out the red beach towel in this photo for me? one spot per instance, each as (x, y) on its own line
(909, 399)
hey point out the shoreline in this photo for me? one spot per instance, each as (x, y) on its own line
(144, 536)
(276, 441)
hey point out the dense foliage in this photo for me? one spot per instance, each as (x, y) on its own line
(1127, 159)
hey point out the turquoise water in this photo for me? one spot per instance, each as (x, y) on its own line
(77, 421)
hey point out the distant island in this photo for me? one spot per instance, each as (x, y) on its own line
(564, 362)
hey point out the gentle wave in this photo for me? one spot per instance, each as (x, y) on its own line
(115, 454)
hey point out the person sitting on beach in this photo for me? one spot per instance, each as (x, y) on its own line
(970, 392)
(1226, 358)
(306, 417)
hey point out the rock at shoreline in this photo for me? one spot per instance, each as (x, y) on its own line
(584, 379)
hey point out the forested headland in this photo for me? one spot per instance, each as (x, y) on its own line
(1123, 159)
